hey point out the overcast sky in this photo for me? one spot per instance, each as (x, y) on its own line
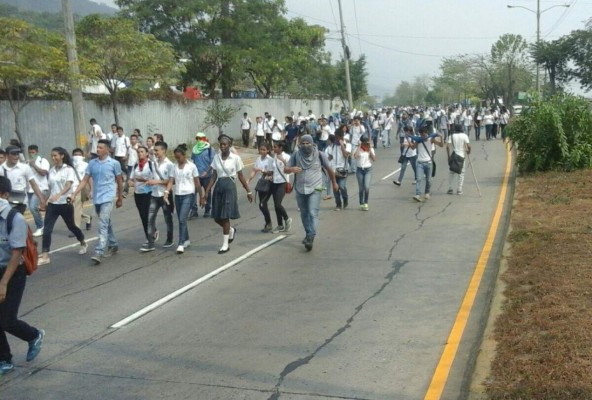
(404, 39)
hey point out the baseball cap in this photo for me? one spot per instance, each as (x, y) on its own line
(13, 149)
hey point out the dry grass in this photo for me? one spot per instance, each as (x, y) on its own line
(544, 334)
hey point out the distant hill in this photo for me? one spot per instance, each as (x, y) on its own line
(80, 7)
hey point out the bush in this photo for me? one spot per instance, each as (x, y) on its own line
(555, 134)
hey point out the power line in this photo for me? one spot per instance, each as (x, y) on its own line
(562, 17)
(313, 18)
(357, 27)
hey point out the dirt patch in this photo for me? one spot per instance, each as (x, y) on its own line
(544, 333)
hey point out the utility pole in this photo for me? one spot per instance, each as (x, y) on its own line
(346, 60)
(76, 89)
(538, 42)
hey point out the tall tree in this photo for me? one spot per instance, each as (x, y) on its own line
(32, 61)
(554, 57)
(115, 51)
(509, 53)
(579, 44)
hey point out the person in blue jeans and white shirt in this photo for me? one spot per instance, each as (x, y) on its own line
(185, 177)
(13, 279)
(107, 192)
(425, 147)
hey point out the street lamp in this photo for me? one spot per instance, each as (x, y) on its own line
(538, 13)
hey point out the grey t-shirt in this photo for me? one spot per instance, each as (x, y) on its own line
(18, 235)
(309, 179)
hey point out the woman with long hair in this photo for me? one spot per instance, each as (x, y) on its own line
(364, 156)
(263, 170)
(60, 179)
(278, 186)
(228, 167)
(185, 177)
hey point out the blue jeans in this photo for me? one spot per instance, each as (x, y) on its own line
(364, 176)
(413, 162)
(341, 193)
(183, 204)
(309, 205)
(34, 208)
(155, 204)
(424, 177)
(106, 236)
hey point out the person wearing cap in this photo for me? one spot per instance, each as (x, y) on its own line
(307, 165)
(202, 156)
(19, 174)
(13, 279)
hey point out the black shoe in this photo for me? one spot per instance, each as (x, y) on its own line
(89, 225)
(223, 251)
(231, 239)
(167, 244)
(308, 243)
(345, 204)
(110, 251)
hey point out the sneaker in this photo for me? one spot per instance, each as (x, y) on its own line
(418, 198)
(361, 207)
(267, 229)
(35, 345)
(97, 258)
(338, 208)
(288, 225)
(180, 249)
(5, 367)
(427, 196)
(397, 183)
(43, 261)
(167, 244)
(308, 243)
(366, 208)
(450, 191)
(111, 250)
(345, 204)
(83, 249)
(459, 192)
(278, 229)
(414, 182)
(38, 232)
(156, 236)
(186, 243)
(147, 247)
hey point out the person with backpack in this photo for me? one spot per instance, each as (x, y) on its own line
(141, 173)
(60, 181)
(13, 278)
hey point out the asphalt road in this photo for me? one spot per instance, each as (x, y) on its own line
(367, 314)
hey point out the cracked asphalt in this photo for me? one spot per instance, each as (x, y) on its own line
(365, 315)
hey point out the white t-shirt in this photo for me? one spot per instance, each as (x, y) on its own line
(95, 134)
(488, 119)
(364, 160)
(265, 164)
(467, 120)
(260, 131)
(325, 132)
(227, 168)
(408, 151)
(20, 175)
(40, 180)
(279, 176)
(80, 165)
(132, 156)
(166, 170)
(246, 123)
(458, 141)
(57, 181)
(184, 178)
(337, 158)
(424, 151)
(120, 145)
(356, 134)
(146, 173)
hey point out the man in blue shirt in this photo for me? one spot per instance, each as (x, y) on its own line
(107, 185)
(291, 133)
(13, 279)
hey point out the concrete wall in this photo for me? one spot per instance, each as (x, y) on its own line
(49, 123)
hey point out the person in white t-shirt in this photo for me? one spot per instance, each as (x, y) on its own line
(185, 177)
(245, 127)
(409, 156)
(364, 156)
(40, 167)
(263, 169)
(458, 142)
(338, 152)
(132, 159)
(259, 132)
(61, 178)
(120, 145)
(425, 147)
(95, 134)
(279, 183)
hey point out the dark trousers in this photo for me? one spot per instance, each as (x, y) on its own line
(263, 200)
(9, 322)
(155, 204)
(143, 205)
(203, 181)
(53, 211)
(246, 133)
(341, 198)
(278, 191)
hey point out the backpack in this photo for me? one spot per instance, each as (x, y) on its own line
(30, 254)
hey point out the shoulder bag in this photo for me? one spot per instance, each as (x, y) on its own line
(431, 158)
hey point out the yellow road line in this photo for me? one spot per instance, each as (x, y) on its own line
(445, 364)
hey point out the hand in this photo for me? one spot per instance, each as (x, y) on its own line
(203, 201)
(166, 199)
(250, 197)
(119, 202)
(335, 187)
(2, 292)
(297, 170)
(42, 205)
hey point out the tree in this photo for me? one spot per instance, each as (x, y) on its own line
(218, 114)
(579, 45)
(116, 52)
(509, 54)
(31, 61)
(554, 57)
